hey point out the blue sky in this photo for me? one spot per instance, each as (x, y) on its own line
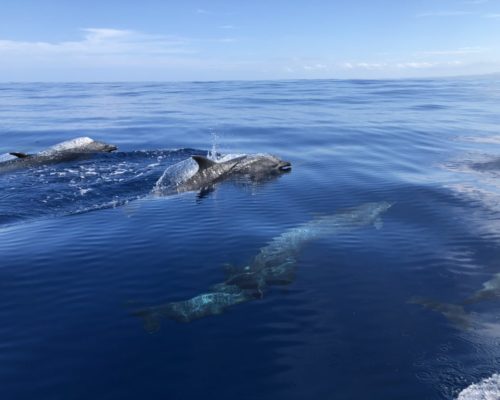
(148, 40)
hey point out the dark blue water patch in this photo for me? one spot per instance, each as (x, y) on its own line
(73, 272)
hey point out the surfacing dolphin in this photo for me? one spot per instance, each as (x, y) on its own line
(65, 151)
(274, 264)
(201, 173)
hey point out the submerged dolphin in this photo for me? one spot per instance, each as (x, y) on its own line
(61, 152)
(456, 313)
(274, 264)
(490, 291)
(204, 172)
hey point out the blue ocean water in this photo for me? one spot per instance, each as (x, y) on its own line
(375, 312)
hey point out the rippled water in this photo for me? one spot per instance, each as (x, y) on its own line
(388, 311)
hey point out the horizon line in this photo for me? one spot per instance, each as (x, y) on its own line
(463, 76)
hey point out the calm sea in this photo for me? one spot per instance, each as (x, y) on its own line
(392, 311)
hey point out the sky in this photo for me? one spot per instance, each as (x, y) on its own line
(163, 40)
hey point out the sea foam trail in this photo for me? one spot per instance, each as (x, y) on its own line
(487, 389)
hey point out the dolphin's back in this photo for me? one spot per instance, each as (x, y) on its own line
(73, 145)
(65, 151)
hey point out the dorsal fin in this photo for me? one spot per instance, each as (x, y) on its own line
(19, 155)
(203, 162)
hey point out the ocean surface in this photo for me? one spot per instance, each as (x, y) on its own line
(402, 308)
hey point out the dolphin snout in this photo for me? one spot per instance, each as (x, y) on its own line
(111, 148)
(285, 166)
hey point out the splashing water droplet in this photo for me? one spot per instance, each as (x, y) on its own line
(212, 154)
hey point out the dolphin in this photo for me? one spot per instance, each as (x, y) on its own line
(204, 173)
(490, 291)
(65, 151)
(274, 264)
(197, 307)
(456, 313)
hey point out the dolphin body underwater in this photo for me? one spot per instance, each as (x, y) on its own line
(202, 173)
(457, 313)
(65, 151)
(274, 264)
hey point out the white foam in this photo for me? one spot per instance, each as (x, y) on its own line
(6, 157)
(228, 157)
(487, 389)
(69, 144)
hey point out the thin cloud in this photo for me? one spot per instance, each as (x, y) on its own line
(315, 67)
(363, 65)
(423, 65)
(104, 33)
(491, 15)
(396, 65)
(104, 41)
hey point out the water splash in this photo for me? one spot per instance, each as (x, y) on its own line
(213, 152)
(174, 176)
